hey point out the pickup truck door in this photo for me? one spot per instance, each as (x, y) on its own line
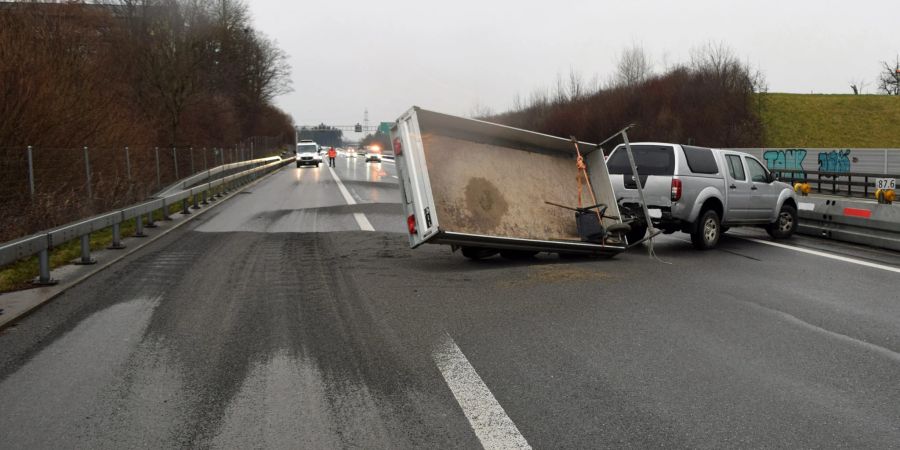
(738, 190)
(763, 195)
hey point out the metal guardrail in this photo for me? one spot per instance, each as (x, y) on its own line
(836, 183)
(41, 243)
(211, 173)
(867, 223)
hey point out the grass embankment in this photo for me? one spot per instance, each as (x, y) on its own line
(20, 274)
(832, 121)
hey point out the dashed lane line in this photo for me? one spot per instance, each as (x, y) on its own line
(488, 419)
(361, 219)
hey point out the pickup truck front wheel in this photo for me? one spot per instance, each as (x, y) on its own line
(785, 225)
(707, 230)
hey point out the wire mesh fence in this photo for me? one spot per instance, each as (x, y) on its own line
(43, 187)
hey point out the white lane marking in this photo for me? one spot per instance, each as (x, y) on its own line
(394, 177)
(488, 419)
(825, 255)
(361, 219)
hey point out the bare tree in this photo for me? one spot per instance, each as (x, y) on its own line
(633, 66)
(480, 111)
(560, 93)
(577, 88)
(858, 86)
(889, 79)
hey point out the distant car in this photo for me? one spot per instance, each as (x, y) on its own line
(308, 154)
(373, 155)
(360, 152)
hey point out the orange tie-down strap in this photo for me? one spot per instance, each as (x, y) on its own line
(581, 167)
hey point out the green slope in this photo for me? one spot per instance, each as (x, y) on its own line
(831, 121)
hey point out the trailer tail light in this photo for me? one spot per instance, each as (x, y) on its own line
(398, 147)
(676, 189)
(411, 224)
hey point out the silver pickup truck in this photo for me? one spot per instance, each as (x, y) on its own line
(700, 191)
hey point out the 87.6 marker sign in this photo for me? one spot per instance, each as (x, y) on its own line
(885, 183)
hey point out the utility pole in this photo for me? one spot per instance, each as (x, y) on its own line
(366, 120)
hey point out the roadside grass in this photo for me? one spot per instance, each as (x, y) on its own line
(18, 275)
(831, 121)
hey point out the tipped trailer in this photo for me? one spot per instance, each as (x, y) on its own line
(486, 188)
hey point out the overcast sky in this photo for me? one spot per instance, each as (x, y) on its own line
(450, 56)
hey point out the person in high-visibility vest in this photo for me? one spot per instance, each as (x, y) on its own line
(331, 155)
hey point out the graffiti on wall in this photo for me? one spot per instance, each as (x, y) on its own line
(835, 161)
(790, 161)
(786, 161)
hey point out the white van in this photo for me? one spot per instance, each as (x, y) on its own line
(308, 153)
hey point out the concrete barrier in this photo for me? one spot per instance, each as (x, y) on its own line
(850, 220)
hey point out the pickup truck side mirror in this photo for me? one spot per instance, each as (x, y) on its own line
(770, 177)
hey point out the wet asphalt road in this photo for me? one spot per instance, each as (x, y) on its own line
(273, 321)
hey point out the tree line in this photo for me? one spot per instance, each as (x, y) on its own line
(172, 73)
(709, 100)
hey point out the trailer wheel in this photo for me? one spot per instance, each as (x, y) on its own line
(478, 252)
(637, 233)
(517, 255)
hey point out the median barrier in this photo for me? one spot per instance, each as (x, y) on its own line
(850, 220)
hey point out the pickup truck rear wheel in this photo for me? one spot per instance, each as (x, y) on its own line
(479, 252)
(707, 230)
(785, 225)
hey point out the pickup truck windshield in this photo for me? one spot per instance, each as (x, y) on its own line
(650, 160)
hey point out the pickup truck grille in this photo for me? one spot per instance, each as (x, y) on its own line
(306, 158)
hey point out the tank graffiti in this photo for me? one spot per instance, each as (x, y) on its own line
(786, 161)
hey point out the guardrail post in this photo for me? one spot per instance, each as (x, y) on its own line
(158, 182)
(86, 251)
(30, 173)
(117, 238)
(204, 202)
(87, 173)
(139, 226)
(195, 201)
(44, 269)
(184, 207)
(165, 211)
(150, 222)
